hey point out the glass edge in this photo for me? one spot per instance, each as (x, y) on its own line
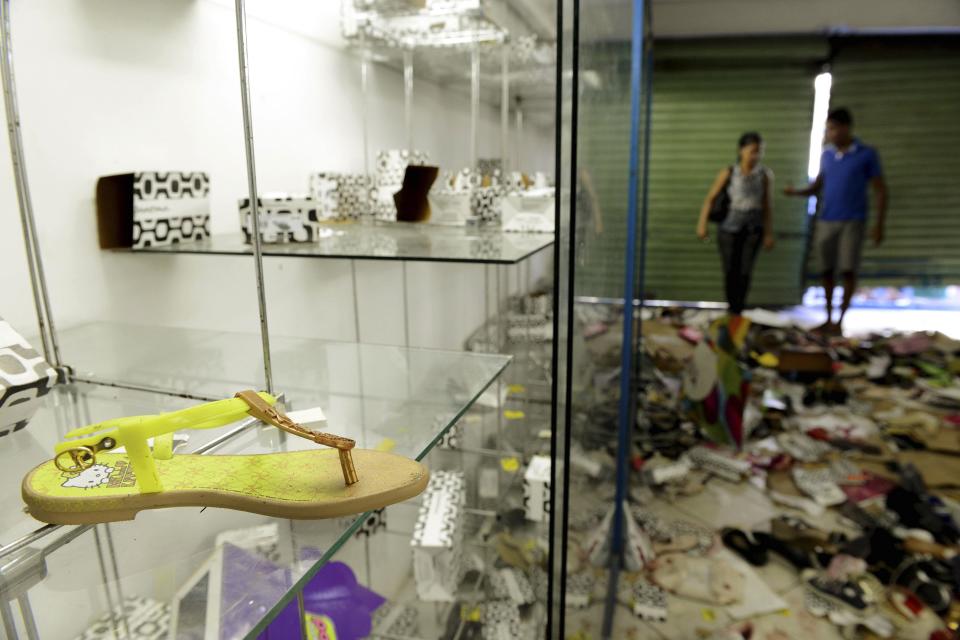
(466, 407)
(328, 554)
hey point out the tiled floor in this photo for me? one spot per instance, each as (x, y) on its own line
(721, 503)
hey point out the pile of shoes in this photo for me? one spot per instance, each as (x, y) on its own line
(851, 444)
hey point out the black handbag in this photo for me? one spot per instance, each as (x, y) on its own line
(720, 207)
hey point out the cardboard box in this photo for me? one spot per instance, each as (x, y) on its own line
(283, 218)
(536, 489)
(25, 377)
(152, 208)
(437, 541)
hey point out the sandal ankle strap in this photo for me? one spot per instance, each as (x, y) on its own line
(80, 450)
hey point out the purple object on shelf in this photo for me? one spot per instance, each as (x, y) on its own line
(334, 593)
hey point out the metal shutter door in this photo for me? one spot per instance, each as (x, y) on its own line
(905, 98)
(706, 95)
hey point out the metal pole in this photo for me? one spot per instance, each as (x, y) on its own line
(365, 116)
(38, 282)
(9, 625)
(474, 103)
(116, 577)
(504, 108)
(111, 608)
(518, 136)
(252, 188)
(406, 307)
(29, 621)
(408, 95)
(626, 352)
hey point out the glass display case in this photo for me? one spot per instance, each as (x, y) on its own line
(431, 341)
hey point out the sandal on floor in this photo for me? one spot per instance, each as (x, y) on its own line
(799, 558)
(88, 483)
(790, 528)
(744, 545)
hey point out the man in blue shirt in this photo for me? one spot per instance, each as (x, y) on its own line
(847, 166)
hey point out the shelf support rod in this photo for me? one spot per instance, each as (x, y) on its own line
(38, 281)
(252, 188)
(474, 103)
(504, 109)
(408, 96)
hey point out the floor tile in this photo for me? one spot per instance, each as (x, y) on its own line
(725, 504)
(796, 622)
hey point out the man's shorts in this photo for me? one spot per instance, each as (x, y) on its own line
(839, 245)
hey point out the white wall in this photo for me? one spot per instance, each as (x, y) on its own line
(110, 86)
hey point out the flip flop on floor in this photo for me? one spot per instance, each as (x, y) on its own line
(744, 545)
(87, 482)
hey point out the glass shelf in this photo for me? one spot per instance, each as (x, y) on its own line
(355, 384)
(383, 241)
(65, 408)
(392, 398)
(447, 24)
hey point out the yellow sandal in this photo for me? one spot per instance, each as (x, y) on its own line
(87, 483)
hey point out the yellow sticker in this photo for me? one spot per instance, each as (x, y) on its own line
(386, 445)
(785, 612)
(516, 388)
(469, 614)
(510, 465)
(514, 415)
(708, 615)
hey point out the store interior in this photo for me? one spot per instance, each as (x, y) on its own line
(454, 201)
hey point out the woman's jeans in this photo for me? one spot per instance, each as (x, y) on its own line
(738, 250)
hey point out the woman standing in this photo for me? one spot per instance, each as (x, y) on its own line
(749, 221)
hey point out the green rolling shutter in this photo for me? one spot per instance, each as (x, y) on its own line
(603, 149)
(705, 95)
(905, 98)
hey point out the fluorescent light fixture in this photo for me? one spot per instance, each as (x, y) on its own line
(821, 106)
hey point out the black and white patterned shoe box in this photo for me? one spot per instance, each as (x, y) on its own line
(25, 377)
(501, 620)
(340, 196)
(649, 602)
(511, 584)
(393, 619)
(152, 208)
(170, 207)
(283, 218)
(580, 590)
(536, 489)
(142, 618)
(437, 540)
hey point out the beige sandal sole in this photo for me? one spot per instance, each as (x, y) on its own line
(300, 485)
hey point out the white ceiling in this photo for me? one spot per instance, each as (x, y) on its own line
(610, 19)
(675, 18)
